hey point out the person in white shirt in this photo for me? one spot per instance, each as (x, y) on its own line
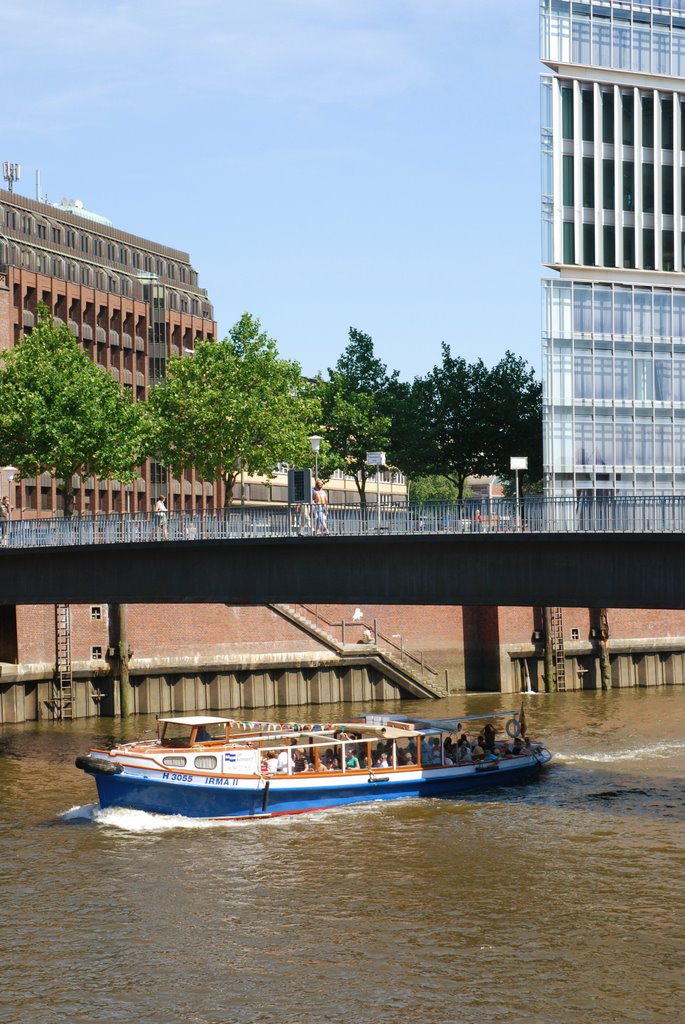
(283, 760)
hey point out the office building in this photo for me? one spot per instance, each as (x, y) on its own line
(613, 136)
(131, 304)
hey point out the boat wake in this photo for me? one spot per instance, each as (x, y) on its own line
(140, 821)
(642, 753)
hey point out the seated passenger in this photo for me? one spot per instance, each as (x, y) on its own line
(478, 752)
(436, 755)
(284, 760)
(203, 734)
(351, 761)
(518, 746)
(272, 762)
(382, 761)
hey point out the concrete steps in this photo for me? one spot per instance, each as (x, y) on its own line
(380, 657)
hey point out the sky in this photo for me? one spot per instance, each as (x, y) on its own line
(327, 163)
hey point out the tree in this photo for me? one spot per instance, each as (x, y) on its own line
(463, 419)
(233, 405)
(61, 414)
(354, 410)
(433, 488)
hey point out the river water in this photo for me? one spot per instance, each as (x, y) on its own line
(562, 901)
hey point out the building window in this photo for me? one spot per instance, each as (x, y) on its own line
(97, 247)
(113, 284)
(567, 183)
(84, 243)
(575, 634)
(57, 236)
(96, 612)
(26, 224)
(135, 260)
(147, 263)
(41, 231)
(110, 251)
(96, 653)
(70, 238)
(182, 274)
(11, 219)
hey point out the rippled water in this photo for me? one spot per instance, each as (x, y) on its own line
(562, 901)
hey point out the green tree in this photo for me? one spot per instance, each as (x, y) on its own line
(232, 406)
(434, 488)
(464, 419)
(355, 410)
(61, 414)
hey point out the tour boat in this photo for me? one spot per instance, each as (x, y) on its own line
(206, 767)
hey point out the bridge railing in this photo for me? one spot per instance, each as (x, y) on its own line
(649, 514)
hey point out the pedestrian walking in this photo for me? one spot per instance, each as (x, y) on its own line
(162, 517)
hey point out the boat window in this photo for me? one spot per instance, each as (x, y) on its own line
(174, 762)
(208, 761)
(406, 751)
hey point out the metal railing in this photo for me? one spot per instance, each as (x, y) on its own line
(491, 516)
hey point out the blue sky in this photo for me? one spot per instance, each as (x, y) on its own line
(327, 163)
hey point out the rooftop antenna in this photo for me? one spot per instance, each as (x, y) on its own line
(11, 173)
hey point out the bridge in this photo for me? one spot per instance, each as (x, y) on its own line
(515, 567)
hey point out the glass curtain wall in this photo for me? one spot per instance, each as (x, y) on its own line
(614, 387)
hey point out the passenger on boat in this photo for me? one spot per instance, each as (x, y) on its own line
(203, 734)
(284, 760)
(272, 762)
(478, 752)
(489, 737)
(435, 754)
(463, 750)
(518, 746)
(492, 755)
(351, 761)
(382, 760)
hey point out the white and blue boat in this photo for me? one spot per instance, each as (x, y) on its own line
(208, 767)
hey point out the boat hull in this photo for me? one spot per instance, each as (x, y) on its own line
(240, 797)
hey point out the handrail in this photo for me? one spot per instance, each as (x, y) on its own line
(376, 632)
(585, 514)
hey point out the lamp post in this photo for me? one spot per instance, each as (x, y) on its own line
(377, 459)
(517, 463)
(315, 442)
(11, 472)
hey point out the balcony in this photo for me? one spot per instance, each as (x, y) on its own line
(87, 332)
(29, 318)
(127, 341)
(140, 343)
(101, 335)
(114, 338)
(74, 328)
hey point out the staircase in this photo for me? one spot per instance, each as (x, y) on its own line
(62, 685)
(408, 671)
(558, 649)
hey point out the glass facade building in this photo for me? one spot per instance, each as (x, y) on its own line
(613, 231)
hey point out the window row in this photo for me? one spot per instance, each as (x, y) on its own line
(615, 37)
(624, 132)
(616, 378)
(582, 251)
(587, 197)
(642, 313)
(607, 444)
(97, 247)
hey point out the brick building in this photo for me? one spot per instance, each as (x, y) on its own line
(131, 304)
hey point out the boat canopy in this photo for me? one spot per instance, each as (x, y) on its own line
(191, 720)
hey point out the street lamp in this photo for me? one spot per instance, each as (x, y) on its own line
(517, 463)
(11, 472)
(315, 441)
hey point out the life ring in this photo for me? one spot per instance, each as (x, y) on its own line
(513, 728)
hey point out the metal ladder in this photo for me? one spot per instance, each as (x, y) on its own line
(63, 694)
(558, 648)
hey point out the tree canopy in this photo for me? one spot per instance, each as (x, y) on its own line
(464, 419)
(355, 414)
(61, 414)
(233, 405)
